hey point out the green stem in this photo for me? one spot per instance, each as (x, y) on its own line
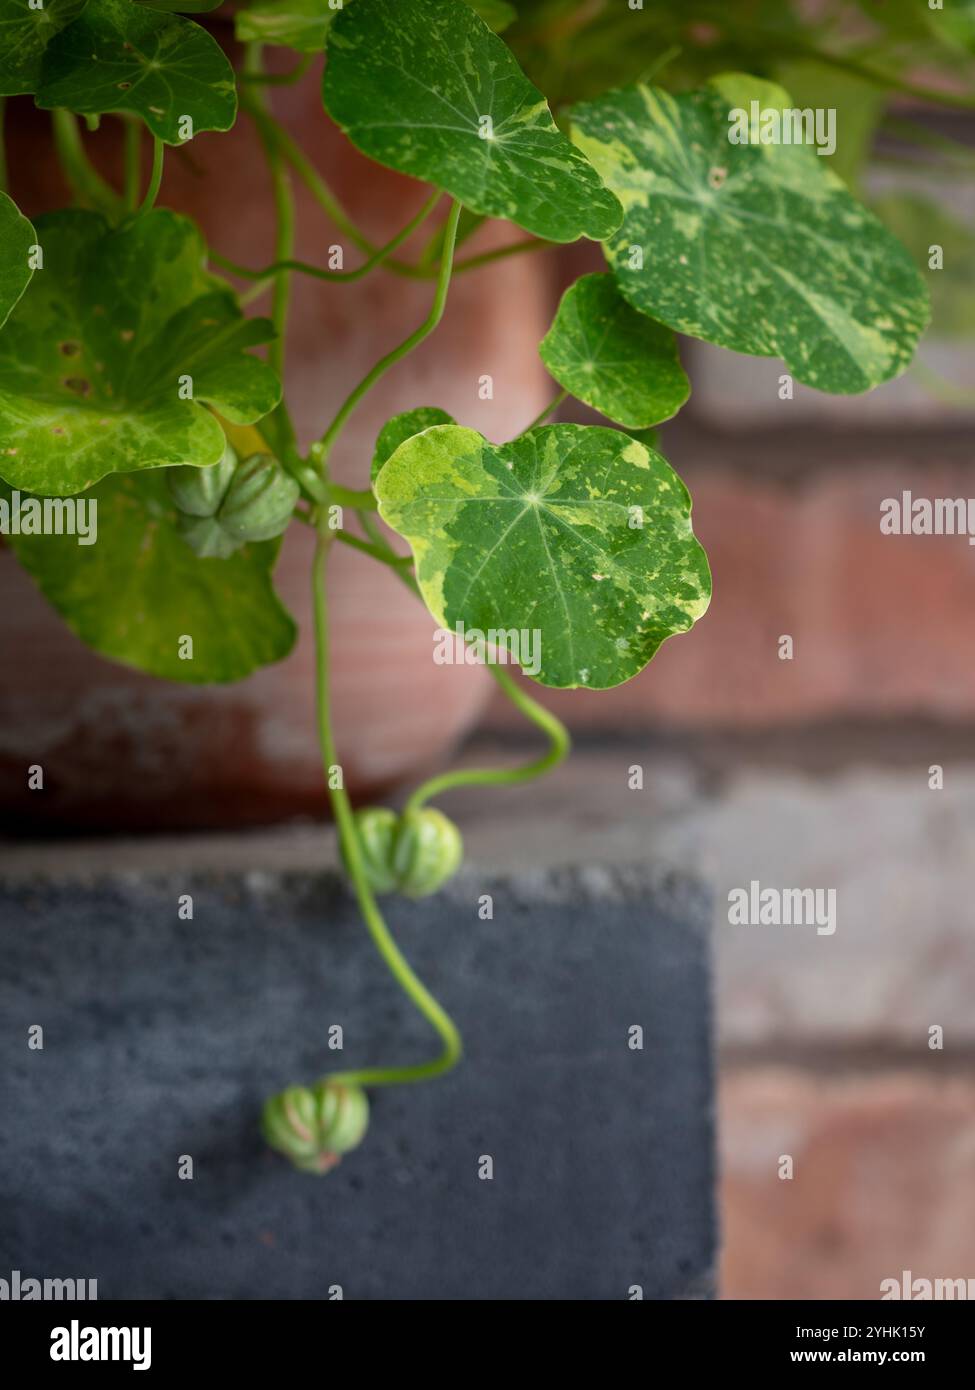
(550, 409)
(87, 185)
(396, 962)
(358, 500)
(553, 728)
(377, 257)
(941, 388)
(369, 524)
(279, 79)
(309, 175)
(132, 162)
(321, 451)
(155, 177)
(378, 552)
(280, 422)
(516, 248)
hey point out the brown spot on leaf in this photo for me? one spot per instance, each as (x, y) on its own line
(127, 334)
(69, 349)
(57, 430)
(77, 384)
(717, 176)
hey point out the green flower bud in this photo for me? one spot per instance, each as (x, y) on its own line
(377, 831)
(413, 854)
(259, 501)
(199, 491)
(315, 1125)
(206, 537)
(428, 850)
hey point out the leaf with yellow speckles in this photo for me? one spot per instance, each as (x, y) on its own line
(98, 357)
(402, 427)
(756, 247)
(425, 87)
(117, 56)
(578, 532)
(139, 589)
(615, 359)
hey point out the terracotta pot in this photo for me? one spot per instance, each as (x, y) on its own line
(120, 749)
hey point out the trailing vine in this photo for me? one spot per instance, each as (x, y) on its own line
(128, 377)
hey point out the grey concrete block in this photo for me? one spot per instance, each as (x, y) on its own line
(162, 1038)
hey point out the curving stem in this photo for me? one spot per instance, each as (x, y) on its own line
(398, 966)
(559, 745)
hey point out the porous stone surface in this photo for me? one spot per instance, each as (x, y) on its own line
(162, 1037)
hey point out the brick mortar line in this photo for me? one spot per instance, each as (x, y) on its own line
(844, 1059)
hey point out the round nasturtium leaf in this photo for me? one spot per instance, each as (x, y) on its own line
(756, 247)
(425, 87)
(17, 236)
(25, 33)
(108, 359)
(617, 360)
(137, 591)
(402, 427)
(576, 533)
(123, 57)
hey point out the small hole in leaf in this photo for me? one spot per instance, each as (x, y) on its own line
(716, 176)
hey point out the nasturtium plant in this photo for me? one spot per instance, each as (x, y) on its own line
(756, 247)
(142, 394)
(99, 376)
(615, 359)
(120, 56)
(425, 87)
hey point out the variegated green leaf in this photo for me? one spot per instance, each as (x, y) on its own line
(139, 590)
(17, 236)
(123, 57)
(755, 247)
(402, 427)
(576, 532)
(106, 361)
(25, 32)
(618, 361)
(425, 87)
